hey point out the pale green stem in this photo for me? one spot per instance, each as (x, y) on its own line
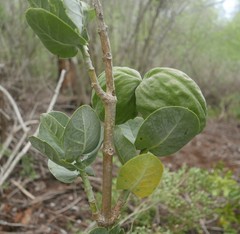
(90, 195)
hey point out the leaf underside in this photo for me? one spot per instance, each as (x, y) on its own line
(61, 173)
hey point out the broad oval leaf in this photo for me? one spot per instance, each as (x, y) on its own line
(45, 149)
(126, 80)
(167, 130)
(163, 87)
(60, 117)
(61, 173)
(51, 131)
(58, 37)
(70, 142)
(82, 133)
(56, 7)
(140, 175)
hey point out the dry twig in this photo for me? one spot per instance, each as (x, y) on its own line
(18, 155)
(15, 108)
(23, 190)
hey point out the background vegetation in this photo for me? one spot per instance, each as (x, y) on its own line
(193, 36)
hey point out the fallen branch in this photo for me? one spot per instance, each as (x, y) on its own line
(6, 143)
(69, 206)
(15, 108)
(5, 223)
(23, 190)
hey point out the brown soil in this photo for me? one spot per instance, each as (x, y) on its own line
(219, 142)
(44, 205)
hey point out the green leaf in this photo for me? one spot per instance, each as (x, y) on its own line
(51, 153)
(60, 117)
(39, 4)
(162, 86)
(126, 80)
(75, 140)
(131, 127)
(74, 11)
(89, 170)
(56, 7)
(58, 37)
(100, 230)
(45, 149)
(117, 230)
(124, 138)
(82, 133)
(51, 131)
(167, 130)
(61, 173)
(140, 175)
(88, 158)
(124, 147)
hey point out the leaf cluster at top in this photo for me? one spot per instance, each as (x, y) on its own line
(60, 25)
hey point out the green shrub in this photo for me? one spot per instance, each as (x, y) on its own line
(188, 198)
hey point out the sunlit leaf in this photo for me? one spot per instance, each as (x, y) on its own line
(140, 175)
(167, 130)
